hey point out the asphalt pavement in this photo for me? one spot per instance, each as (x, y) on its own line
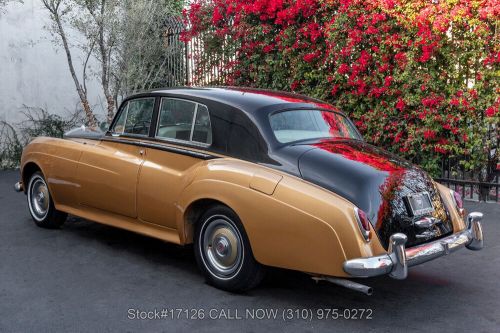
(94, 278)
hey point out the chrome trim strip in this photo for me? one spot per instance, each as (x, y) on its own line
(426, 222)
(398, 259)
(158, 146)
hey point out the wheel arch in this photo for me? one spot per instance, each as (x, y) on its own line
(194, 211)
(27, 171)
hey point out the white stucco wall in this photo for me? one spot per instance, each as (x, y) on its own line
(33, 71)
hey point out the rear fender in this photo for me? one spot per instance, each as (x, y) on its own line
(296, 225)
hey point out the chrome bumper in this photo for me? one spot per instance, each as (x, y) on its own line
(398, 259)
(19, 187)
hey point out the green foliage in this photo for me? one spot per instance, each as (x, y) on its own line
(37, 122)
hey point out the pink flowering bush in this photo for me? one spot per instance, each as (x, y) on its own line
(418, 77)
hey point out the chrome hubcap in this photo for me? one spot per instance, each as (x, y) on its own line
(39, 198)
(222, 247)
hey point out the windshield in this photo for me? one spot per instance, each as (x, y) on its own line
(295, 125)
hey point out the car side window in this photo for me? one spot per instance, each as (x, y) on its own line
(139, 114)
(120, 122)
(182, 120)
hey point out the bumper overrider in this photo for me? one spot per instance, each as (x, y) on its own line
(399, 258)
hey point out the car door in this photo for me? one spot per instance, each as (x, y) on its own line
(185, 126)
(109, 171)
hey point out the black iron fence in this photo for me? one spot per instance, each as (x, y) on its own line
(176, 54)
(480, 185)
(185, 60)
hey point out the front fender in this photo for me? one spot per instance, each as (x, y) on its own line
(57, 159)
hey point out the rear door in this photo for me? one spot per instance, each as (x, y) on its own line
(108, 172)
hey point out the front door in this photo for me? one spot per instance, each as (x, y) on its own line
(165, 174)
(108, 172)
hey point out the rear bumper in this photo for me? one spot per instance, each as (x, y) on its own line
(398, 259)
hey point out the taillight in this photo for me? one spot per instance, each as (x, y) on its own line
(363, 223)
(459, 203)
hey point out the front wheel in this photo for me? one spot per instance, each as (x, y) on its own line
(223, 251)
(40, 203)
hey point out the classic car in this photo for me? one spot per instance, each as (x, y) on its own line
(252, 178)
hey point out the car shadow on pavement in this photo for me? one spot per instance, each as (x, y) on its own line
(293, 288)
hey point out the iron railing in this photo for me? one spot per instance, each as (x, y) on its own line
(176, 54)
(483, 184)
(189, 63)
(471, 185)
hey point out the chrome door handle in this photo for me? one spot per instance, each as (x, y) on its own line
(141, 152)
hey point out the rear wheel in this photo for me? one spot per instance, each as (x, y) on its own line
(223, 251)
(41, 205)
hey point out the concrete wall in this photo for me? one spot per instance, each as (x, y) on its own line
(34, 71)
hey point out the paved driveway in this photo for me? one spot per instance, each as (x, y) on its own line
(89, 277)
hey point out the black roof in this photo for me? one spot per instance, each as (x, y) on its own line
(247, 99)
(246, 134)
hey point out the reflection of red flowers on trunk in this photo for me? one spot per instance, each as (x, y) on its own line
(374, 160)
(392, 183)
(388, 191)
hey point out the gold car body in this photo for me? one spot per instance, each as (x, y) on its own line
(158, 191)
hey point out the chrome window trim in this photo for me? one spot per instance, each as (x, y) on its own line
(113, 133)
(209, 123)
(182, 142)
(193, 122)
(190, 141)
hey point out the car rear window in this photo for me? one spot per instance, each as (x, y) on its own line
(296, 125)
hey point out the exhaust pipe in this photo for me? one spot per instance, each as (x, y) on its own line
(367, 290)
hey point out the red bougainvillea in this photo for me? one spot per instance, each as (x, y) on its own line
(418, 77)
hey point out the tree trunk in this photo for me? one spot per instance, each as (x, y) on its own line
(91, 119)
(105, 68)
